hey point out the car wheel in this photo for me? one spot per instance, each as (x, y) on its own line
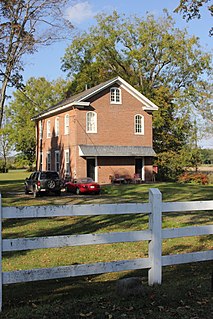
(51, 184)
(78, 191)
(35, 194)
(67, 189)
(26, 190)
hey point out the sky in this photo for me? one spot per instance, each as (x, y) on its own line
(47, 61)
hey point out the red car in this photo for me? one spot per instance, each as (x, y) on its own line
(83, 186)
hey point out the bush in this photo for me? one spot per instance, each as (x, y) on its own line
(3, 167)
(170, 166)
(193, 178)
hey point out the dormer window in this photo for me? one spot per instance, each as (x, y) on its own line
(115, 96)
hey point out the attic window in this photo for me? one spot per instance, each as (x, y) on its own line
(115, 96)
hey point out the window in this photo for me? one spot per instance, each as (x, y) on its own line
(57, 126)
(48, 161)
(67, 162)
(91, 122)
(41, 160)
(66, 124)
(139, 124)
(57, 161)
(115, 96)
(40, 128)
(48, 129)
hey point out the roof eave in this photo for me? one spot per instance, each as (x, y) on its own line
(74, 104)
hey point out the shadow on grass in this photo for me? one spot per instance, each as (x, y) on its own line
(185, 293)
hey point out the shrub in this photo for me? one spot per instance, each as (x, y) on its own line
(193, 178)
(170, 166)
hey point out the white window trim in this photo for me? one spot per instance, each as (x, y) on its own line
(40, 127)
(66, 124)
(48, 129)
(65, 162)
(142, 124)
(57, 126)
(112, 101)
(95, 122)
(57, 152)
(48, 162)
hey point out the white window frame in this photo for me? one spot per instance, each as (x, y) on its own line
(40, 128)
(139, 124)
(57, 126)
(67, 162)
(57, 161)
(66, 124)
(91, 122)
(48, 159)
(115, 95)
(48, 129)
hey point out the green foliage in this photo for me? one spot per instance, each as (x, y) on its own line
(207, 156)
(37, 95)
(158, 59)
(170, 165)
(191, 9)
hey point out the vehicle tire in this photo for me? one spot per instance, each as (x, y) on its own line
(78, 191)
(26, 190)
(35, 194)
(51, 184)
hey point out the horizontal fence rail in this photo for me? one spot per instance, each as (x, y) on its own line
(154, 235)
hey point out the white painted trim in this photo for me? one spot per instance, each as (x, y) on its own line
(61, 109)
(74, 270)
(74, 240)
(96, 169)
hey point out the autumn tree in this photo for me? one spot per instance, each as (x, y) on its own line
(38, 95)
(161, 61)
(190, 9)
(24, 25)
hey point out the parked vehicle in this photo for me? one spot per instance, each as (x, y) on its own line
(84, 185)
(43, 182)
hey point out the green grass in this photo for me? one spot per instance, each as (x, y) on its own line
(186, 289)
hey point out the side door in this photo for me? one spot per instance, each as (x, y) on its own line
(91, 168)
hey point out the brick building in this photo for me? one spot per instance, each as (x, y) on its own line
(102, 132)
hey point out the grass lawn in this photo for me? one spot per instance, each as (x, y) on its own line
(186, 289)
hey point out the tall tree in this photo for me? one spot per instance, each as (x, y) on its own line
(191, 9)
(37, 95)
(25, 24)
(150, 54)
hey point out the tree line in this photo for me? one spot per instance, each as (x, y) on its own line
(164, 63)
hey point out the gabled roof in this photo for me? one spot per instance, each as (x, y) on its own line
(80, 100)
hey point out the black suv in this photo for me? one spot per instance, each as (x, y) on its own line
(43, 182)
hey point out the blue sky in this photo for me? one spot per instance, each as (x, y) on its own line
(47, 61)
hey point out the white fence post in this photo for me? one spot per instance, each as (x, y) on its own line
(155, 245)
(0, 254)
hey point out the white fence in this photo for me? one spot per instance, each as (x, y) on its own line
(155, 234)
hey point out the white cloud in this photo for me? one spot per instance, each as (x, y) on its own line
(80, 12)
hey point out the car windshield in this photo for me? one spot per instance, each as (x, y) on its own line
(85, 180)
(49, 175)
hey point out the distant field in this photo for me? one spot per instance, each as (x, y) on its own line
(186, 289)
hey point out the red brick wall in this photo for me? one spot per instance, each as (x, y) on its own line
(115, 126)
